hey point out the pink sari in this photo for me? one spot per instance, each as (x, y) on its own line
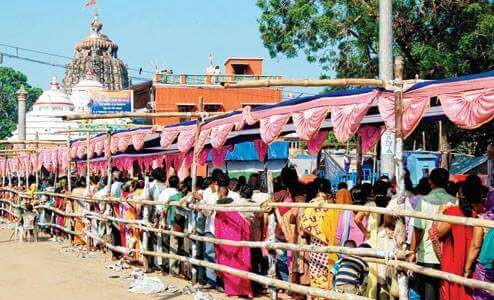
(232, 226)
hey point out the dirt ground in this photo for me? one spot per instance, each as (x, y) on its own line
(46, 270)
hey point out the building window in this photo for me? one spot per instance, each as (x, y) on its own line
(213, 107)
(186, 107)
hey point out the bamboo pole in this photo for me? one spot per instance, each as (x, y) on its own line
(69, 131)
(17, 151)
(69, 161)
(371, 209)
(109, 161)
(271, 237)
(88, 162)
(36, 161)
(342, 82)
(469, 282)
(423, 141)
(141, 115)
(359, 160)
(400, 230)
(4, 170)
(24, 142)
(193, 174)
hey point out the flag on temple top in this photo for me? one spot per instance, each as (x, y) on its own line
(90, 3)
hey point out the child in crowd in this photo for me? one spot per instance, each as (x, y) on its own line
(350, 272)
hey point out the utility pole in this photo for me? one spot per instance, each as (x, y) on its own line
(386, 73)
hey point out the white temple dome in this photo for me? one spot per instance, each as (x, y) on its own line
(53, 99)
(81, 92)
(45, 117)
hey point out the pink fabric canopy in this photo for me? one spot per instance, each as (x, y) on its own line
(369, 136)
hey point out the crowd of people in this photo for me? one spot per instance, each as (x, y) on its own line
(458, 249)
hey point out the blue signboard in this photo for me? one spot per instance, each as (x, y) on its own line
(110, 102)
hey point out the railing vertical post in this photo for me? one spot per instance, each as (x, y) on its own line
(69, 161)
(271, 237)
(400, 230)
(193, 174)
(88, 162)
(36, 169)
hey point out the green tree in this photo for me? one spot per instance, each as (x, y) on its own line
(10, 81)
(437, 39)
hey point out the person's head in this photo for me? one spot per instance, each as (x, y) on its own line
(222, 192)
(127, 187)
(134, 185)
(323, 185)
(384, 178)
(173, 181)
(277, 186)
(29, 207)
(186, 185)
(342, 185)
(297, 189)
(364, 245)
(207, 182)
(359, 196)
(471, 194)
(423, 187)
(311, 190)
(81, 182)
(242, 180)
(158, 174)
(380, 190)
(254, 181)
(222, 179)
(367, 189)
(350, 244)
(452, 188)
(199, 182)
(216, 173)
(288, 176)
(245, 191)
(94, 180)
(233, 185)
(439, 178)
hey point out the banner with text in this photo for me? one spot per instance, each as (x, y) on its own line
(110, 102)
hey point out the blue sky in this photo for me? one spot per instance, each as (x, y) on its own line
(175, 34)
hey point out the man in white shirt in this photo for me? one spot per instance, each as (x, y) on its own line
(152, 191)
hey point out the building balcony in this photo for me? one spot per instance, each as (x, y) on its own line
(187, 79)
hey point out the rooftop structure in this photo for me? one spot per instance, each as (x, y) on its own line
(98, 54)
(181, 92)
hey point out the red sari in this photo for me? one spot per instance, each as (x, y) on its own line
(455, 250)
(232, 226)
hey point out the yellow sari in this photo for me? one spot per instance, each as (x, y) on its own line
(314, 222)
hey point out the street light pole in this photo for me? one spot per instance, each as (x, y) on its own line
(386, 73)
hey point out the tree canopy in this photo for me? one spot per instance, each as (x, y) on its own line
(10, 82)
(442, 38)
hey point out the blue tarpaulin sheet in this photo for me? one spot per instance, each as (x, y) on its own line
(247, 152)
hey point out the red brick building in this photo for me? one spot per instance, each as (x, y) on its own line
(181, 92)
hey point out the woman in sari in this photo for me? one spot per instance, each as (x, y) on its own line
(131, 213)
(233, 226)
(316, 223)
(480, 251)
(347, 229)
(456, 239)
(78, 208)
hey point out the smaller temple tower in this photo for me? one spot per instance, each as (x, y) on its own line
(98, 54)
